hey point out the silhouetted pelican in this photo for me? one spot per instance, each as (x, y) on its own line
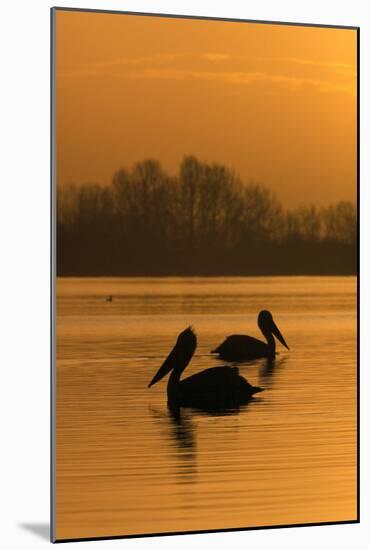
(217, 387)
(239, 347)
(109, 298)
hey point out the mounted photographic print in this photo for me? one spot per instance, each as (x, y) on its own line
(204, 274)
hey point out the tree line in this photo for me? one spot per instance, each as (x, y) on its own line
(203, 221)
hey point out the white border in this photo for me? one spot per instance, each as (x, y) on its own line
(24, 245)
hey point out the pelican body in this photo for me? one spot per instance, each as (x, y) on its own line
(241, 347)
(213, 387)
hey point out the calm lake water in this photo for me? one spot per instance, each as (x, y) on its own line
(125, 466)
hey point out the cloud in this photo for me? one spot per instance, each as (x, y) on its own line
(221, 67)
(340, 68)
(159, 59)
(239, 78)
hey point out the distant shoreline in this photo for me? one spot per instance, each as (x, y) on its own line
(204, 276)
(205, 221)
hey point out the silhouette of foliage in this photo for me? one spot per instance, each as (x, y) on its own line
(205, 221)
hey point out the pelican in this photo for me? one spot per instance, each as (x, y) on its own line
(239, 347)
(214, 387)
(109, 298)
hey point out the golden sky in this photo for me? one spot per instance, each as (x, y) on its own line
(276, 103)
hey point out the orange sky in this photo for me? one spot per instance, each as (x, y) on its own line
(277, 103)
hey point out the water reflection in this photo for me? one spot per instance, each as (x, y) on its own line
(181, 421)
(288, 455)
(270, 367)
(182, 437)
(182, 431)
(213, 407)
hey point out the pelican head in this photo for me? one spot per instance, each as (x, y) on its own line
(268, 326)
(180, 355)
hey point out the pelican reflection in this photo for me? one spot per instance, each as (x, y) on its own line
(269, 368)
(182, 437)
